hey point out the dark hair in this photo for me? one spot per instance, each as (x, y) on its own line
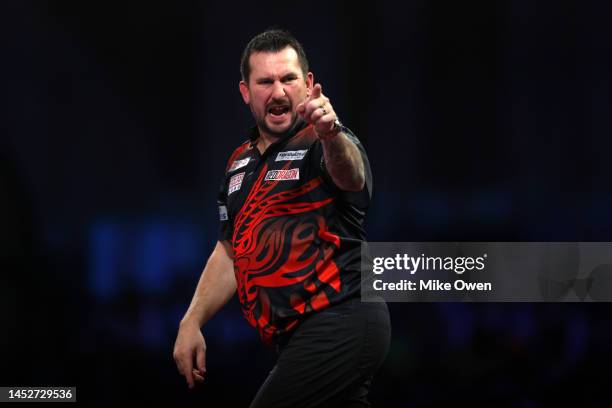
(271, 40)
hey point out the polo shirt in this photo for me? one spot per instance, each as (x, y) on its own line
(296, 236)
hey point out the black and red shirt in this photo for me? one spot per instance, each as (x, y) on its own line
(296, 236)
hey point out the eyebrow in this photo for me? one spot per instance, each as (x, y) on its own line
(290, 75)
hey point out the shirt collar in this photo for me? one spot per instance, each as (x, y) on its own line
(254, 133)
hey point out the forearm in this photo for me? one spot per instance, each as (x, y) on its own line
(344, 163)
(216, 286)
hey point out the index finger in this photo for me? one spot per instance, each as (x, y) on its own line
(187, 368)
(316, 91)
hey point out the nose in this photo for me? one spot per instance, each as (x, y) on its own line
(279, 90)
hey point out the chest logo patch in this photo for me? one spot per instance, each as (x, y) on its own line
(235, 183)
(290, 174)
(291, 155)
(237, 164)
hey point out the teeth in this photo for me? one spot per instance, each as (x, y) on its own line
(278, 110)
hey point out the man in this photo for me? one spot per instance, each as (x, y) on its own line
(291, 206)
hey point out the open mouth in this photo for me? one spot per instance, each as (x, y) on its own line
(278, 111)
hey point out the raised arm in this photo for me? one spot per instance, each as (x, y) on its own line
(342, 158)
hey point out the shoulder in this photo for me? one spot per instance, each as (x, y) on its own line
(238, 154)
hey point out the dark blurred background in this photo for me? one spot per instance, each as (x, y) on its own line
(483, 121)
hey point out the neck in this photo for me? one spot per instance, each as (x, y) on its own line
(264, 141)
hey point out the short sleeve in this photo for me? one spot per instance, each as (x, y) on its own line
(361, 198)
(225, 224)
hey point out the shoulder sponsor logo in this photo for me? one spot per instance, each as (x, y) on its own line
(239, 164)
(291, 155)
(291, 174)
(235, 183)
(222, 213)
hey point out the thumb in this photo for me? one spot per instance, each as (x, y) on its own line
(201, 360)
(301, 107)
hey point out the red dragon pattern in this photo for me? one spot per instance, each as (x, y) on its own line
(273, 248)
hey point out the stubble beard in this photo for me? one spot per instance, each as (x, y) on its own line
(261, 124)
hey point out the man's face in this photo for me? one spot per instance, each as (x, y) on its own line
(275, 87)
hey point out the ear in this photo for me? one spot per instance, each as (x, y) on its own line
(244, 91)
(309, 82)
